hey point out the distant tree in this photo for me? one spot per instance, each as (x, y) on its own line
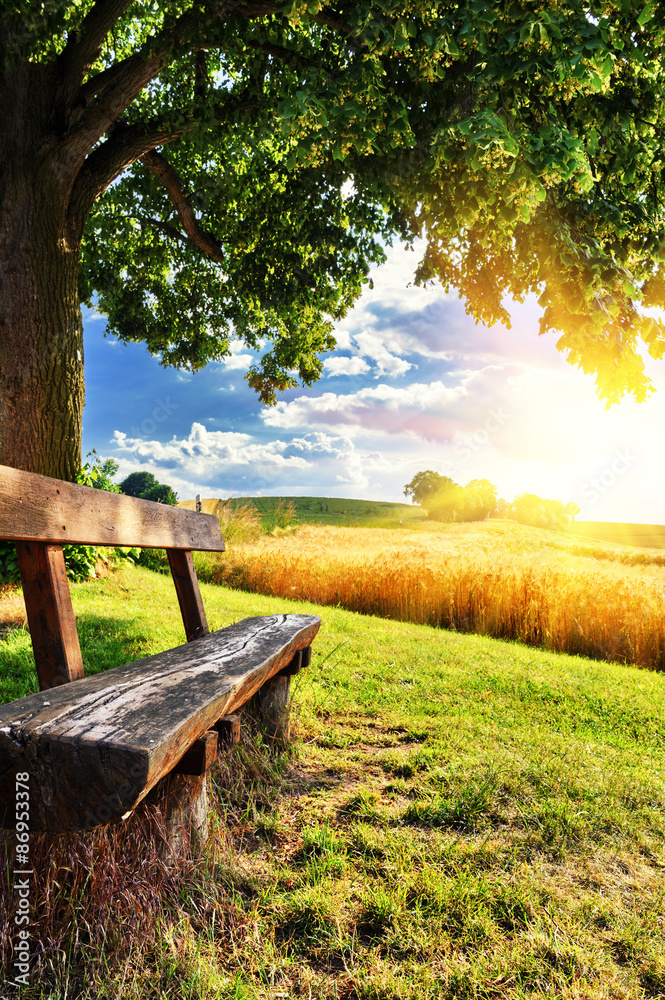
(480, 500)
(447, 504)
(572, 509)
(137, 483)
(502, 506)
(426, 484)
(527, 508)
(160, 493)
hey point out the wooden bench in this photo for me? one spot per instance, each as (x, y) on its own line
(94, 747)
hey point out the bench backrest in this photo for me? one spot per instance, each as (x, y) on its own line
(39, 509)
(40, 515)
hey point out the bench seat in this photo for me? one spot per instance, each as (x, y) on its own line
(95, 747)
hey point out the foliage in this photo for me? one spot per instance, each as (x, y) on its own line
(480, 500)
(81, 561)
(425, 484)
(447, 503)
(136, 483)
(473, 502)
(9, 572)
(99, 474)
(572, 509)
(145, 486)
(527, 508)
(522, 142)
(160, 493)
(154, 559)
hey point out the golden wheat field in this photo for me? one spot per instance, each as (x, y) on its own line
(496, 578)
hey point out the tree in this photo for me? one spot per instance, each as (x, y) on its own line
(186, 166)
(160, 493)
(447, 502)
(138, 483)
(572, 509)
(473, 502)
(527, 508)
(425, 484)
(480, 500)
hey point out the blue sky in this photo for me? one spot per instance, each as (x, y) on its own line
(413, 384)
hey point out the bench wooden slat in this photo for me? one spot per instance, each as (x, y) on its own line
(48, 603)
(95, 748)
(39, 509)
(189, 594)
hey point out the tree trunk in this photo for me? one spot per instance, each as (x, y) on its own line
(41, 332)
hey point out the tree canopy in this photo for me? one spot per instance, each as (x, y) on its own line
(425, 484)
(145, 485)
(232, 169)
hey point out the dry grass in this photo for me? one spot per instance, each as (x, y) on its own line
(494, 578)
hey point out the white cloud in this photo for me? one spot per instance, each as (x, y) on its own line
(422, 410)
(207, 450)
(221, 463)
(237, 362)
(238, 359)
(432, 323)
(345, 366)
(371, 345)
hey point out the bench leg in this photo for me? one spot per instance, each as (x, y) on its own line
(184, 808)
(182, 798)
(183, 803)
(273, 703)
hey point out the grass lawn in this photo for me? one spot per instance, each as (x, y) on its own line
(460, 817)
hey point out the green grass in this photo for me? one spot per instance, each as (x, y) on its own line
(461, 818)
(333, 510)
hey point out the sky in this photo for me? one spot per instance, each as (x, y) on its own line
(413, 384)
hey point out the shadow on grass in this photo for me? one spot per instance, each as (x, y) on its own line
(106, 642)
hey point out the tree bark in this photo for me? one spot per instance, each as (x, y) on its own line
(41, 331)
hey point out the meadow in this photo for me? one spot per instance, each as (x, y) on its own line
(497, 578)
(318, 510)
(459, 817)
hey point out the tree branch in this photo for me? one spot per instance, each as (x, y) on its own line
(126, 144)
(165, 173)
(84, 48)
(330, 21)
(117, 86)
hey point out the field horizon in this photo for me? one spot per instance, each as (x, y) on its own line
(387, 513)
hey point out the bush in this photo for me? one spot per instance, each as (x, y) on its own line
(145, 486)
(160, 493)
(81, 561)
(154, 559)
